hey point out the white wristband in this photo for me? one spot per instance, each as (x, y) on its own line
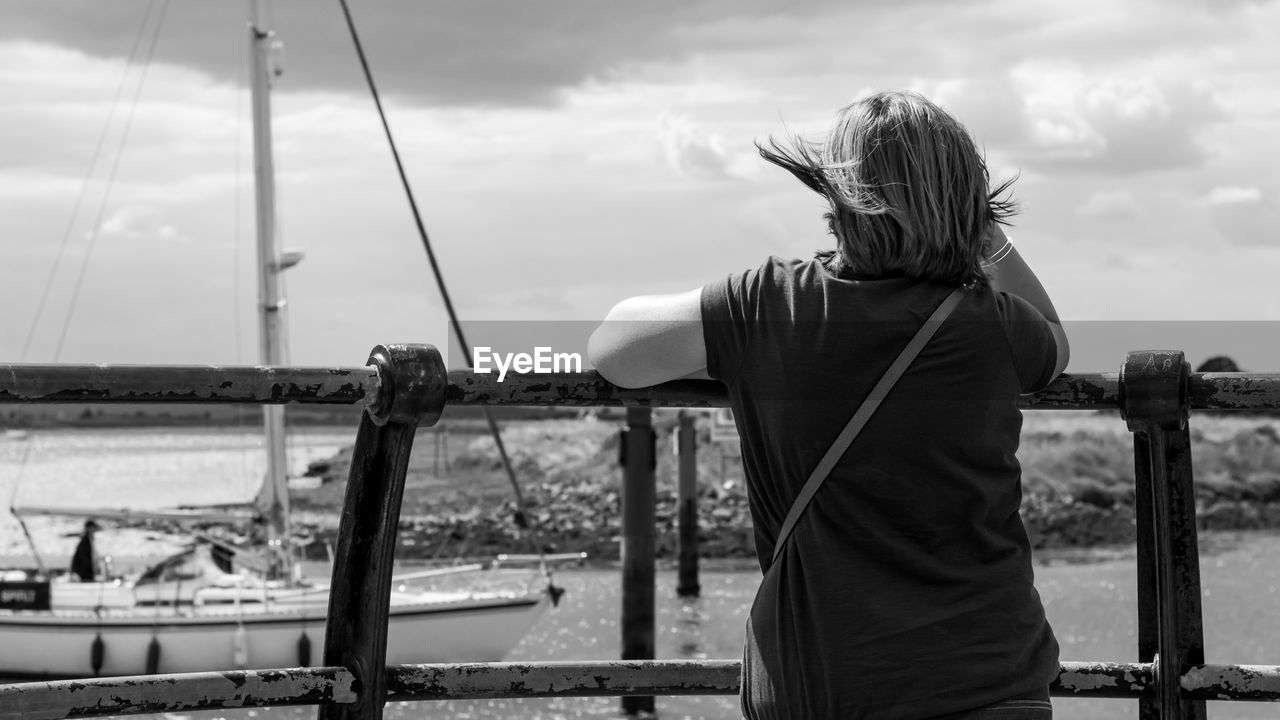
(1000, 254)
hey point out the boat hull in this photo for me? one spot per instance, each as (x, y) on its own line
(35, 644)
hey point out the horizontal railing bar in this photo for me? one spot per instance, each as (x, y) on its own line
(187, 384)
(1102, 680)
(585, 389)
(176, 692)
(1206, 391)
(1084, 391)
(1232, 682)
(720, 677)
(457, 681)
(359, 385)
(1235, 391)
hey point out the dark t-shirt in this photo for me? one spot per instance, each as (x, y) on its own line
(905, 590)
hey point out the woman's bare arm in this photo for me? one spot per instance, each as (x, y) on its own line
(1012, 275)
(650, 339)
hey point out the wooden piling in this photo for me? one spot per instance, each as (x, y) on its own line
(687, 448)
(638, 461)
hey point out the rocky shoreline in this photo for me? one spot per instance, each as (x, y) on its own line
(1077, 476)
(1078, 484)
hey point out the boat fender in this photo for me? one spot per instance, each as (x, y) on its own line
(304, 650)
(97, 652)
(240, 647)
(153, 656)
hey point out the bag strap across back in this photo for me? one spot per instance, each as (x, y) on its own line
(860, 417)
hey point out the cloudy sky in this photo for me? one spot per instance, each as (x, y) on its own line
(568, 154)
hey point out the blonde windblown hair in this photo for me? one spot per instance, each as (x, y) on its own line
(908, 190)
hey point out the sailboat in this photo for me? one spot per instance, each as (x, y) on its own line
(194, 611)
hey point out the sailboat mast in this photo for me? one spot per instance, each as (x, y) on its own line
(271, 303)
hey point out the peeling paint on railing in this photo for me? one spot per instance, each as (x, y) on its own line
(585, 389)
(1235, 391)
(176, 692)
(563, 679)
(186, 384)
(1233, 682)
(456, 681)
(469, 680)
(1102, 679)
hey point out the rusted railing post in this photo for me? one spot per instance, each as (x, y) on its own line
(687, 508)
(639, 493)
(411, 392)
(1154, 400)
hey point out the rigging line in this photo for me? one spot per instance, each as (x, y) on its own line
(246, 484)
(115, 165)
(237, 237)
(84, 187)
(520, 518)
(13, 496)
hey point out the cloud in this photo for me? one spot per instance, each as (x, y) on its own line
(1109, 204)
(1078, 119)
(1056, 117)
(1227, 195)
(56, 118)
(1245, 216)
(140, 222)
(485, 53)
(691, 151)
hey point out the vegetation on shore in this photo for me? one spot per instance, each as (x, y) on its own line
(1078, 479)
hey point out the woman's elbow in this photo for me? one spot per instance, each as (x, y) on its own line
(607, 357)
(1063, 348)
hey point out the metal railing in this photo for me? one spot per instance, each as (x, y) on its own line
(404, 386)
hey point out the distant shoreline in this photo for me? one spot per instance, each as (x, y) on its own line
(1078, 488)
(1077, 481)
